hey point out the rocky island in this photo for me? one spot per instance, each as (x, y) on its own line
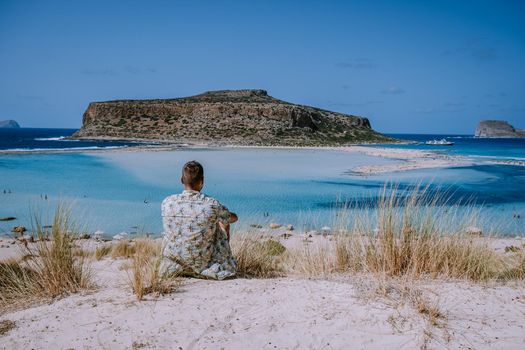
(9, 124)
(497, 129)
(226, 117)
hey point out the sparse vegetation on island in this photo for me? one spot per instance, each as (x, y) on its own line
(226, 117)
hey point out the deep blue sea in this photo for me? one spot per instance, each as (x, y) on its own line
(25, 139)
(122, 191)
(468, 145)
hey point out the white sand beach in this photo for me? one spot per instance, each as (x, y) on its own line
(337, 311)
(407, 159)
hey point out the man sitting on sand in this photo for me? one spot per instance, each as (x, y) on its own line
(197, 231)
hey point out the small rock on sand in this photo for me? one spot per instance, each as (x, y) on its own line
(6, 326)
(512, 249)
(19, 229)
(98, 235)
(473, 231)
(120, 236)
(274, 226)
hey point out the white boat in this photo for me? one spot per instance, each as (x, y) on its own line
(442, 142)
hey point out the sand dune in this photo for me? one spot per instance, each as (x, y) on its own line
(336, 312)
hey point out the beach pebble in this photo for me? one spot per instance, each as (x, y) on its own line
(289, 227)
(326, 230)
(512, 249)
(98, 235)
(273, 225)
(19, 229)
(473, 231)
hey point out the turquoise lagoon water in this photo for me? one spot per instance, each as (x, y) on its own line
(122, 191)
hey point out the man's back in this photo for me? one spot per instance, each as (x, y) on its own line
(193, 238)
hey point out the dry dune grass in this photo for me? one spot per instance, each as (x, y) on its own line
(142, 265)
(102, 251)
(126, 249)
(145, 274)
(409, 235)
(122, 249)
(52, 268)
(257, 258)
(415, 234)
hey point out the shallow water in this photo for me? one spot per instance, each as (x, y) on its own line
(122, 191)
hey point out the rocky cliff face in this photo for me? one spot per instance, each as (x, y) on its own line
(497, 128)
(11, 124)
(243, 117)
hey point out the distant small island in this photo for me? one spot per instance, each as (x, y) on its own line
(497, 129)
(225, 117)
(9, 124)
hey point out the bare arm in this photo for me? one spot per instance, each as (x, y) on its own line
(226, 227)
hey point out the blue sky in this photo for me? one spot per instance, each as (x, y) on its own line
(409, 66)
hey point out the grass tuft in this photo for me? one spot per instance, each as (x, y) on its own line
(145, 275)
(102, 251)
(122, 249)
(6, 326)
(257, 259)
(55, 268)
(415, 234)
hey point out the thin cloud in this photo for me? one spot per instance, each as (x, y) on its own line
(454, 104)
(478, 49)
(448, 107)
(484, 54)
(356, 63)
(495, 95)
(138, 70)
(513, 108)
(393, 90)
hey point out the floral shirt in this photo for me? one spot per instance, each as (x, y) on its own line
(193, 240)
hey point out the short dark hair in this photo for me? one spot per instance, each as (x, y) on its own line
(192, 173)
